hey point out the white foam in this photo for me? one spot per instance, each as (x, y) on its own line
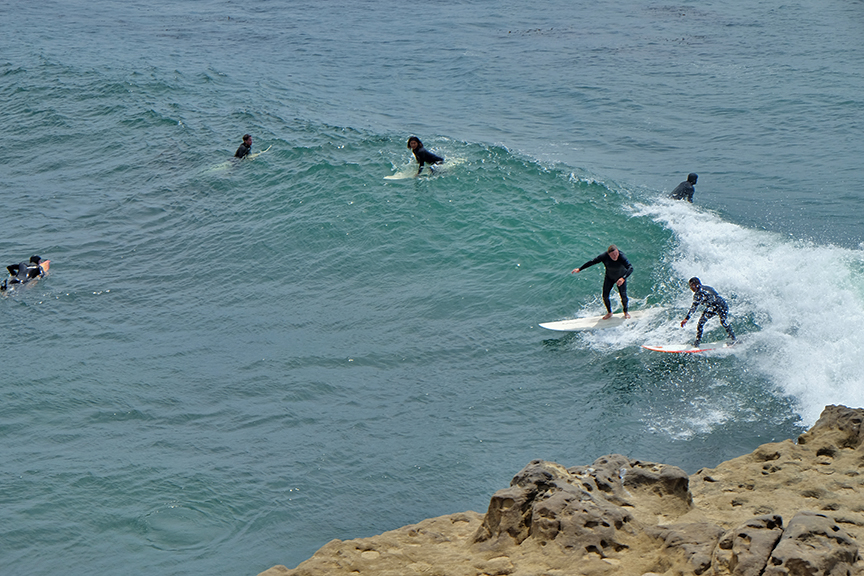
(806, 300)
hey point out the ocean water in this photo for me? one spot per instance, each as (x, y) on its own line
(232, 363)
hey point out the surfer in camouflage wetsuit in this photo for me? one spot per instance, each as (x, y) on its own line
(714, 306)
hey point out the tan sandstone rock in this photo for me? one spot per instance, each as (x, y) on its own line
(786, 509)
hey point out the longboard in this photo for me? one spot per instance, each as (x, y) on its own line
(429, 170)
(223, 166)
(593, 322)
(407, 175)
(687, 348)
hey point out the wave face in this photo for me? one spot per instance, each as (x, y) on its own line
(232, 363)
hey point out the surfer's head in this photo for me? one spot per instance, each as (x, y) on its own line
(695, 283)
(613, 252)
(35, 259)
(415, 141)
(692, 177)
(247, 139)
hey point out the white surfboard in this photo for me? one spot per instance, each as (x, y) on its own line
(429, 170)
(233, 162)
(256, 154)
(221, 167)
(687, 348)
(401, 176)
(594, 322)
(410, 174)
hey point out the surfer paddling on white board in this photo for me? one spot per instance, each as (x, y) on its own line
(245, 147)
(422, 155)
(714, 306)
(618, 268)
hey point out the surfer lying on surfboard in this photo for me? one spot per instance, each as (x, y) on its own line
(23, 272)
(714, 306)
(422, 155)
(618, 268)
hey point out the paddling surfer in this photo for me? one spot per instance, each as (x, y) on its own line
(618, 268)
(684, 190)
(23, 272)
(422, 155)
(714, 306)
(245, 147)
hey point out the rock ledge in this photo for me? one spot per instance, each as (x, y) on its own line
(788, 508)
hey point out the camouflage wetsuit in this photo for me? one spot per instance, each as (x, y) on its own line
(714, 306)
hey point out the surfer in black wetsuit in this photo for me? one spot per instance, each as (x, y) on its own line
(684, 190)
(245, 147)
(618, 268)
(23, 272)
(714, 306)
(423, 156)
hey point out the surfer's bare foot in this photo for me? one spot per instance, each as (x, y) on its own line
(607, 316)
(626, 315)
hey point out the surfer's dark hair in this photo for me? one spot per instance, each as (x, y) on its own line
(35, 259)
(415, 139)
(246, 137)
(611, 248)
(694, 281)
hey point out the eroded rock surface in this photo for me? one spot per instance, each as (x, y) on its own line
(785, 509)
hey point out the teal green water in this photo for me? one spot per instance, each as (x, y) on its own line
(232, 363)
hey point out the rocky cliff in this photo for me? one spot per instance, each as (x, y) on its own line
(789, 508)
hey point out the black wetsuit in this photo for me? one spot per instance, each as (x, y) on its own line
(684, 191)
(243, 151)
(22, 273)
(615, 270)
(424, 156)
(714, 306)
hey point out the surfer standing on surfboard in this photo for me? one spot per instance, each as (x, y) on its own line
(423, 156)
(714, 306)
(618, 268)
(245, 147)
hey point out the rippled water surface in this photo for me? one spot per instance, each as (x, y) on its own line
(232, 363)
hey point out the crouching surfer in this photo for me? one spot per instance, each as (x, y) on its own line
(714, 306)
(23, 272)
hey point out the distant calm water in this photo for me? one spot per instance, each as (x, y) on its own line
(231, 364)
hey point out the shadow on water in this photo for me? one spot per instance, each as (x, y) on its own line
(560, 344)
